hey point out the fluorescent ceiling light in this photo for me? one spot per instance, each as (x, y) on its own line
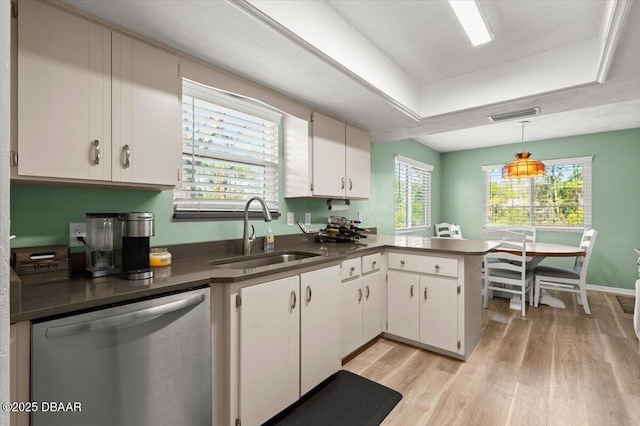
(470, 17)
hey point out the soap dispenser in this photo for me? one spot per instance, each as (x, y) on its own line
(269, 241)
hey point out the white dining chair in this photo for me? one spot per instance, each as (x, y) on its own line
(443, 229)
(456, 232)
(566, 279)
(507, 271)
(529, 231)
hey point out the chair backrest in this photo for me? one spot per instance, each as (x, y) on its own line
(515, 259)
(456, 231)
(582, 262)
(443, 229)
(529, 231)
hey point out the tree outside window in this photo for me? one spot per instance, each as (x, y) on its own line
(561, 199)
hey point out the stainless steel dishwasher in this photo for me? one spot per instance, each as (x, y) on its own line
(142, 363)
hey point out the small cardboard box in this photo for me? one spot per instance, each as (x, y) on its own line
(41, 264)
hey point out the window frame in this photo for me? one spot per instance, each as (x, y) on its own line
(411, 163)
(243, 105)
(586, 161)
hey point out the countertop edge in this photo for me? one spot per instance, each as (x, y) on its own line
(186, 278)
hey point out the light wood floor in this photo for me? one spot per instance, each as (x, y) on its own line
(552, 367)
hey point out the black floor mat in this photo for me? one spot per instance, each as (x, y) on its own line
(343, 399)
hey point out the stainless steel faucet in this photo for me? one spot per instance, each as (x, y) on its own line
(247, 241)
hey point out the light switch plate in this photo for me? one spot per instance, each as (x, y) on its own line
(307, 218)
(290, 218)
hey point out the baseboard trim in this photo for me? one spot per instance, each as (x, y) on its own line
(615, 290)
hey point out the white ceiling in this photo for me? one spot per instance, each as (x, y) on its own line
(405, 69)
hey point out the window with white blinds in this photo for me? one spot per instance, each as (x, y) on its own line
(559, 200)
(412, 194)
(229, 153)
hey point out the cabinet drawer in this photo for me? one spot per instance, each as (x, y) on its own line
(350, 268)
(371, 262)
(424, 264)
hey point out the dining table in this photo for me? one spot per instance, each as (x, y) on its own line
(536, 253)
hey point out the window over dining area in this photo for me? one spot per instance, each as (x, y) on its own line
(559, 200)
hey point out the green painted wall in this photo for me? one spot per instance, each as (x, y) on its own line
(616, 200)
(40, 214)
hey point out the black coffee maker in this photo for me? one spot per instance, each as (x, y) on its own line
(132, 233)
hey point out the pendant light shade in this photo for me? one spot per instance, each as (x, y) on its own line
(523, 166)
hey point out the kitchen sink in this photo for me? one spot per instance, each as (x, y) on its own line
(262, 260)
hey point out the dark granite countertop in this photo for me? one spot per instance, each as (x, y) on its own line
(192, 267)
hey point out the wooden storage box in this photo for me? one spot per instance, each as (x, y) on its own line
(41, 264)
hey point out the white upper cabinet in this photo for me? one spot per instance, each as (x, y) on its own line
(64, 95)
(146, 114)
(357, 163)
(328, 137)
(93, 105)
(332, 161)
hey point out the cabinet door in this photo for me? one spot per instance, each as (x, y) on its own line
(64, 95)
(146, 114)
(269, 349)
(403, 309)
(320, 326)
(328, 138)
(352, 298)
(439, 313)
(372, 309)
(357, 162)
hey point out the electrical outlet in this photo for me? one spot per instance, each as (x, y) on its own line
(307, 218)
(290, 218)
(77, 230)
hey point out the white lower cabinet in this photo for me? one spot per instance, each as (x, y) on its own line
(439, 313)
(320, 327)
(403, 306)
(362, 299)
(269, 349)
(427, 303)
(289, 341)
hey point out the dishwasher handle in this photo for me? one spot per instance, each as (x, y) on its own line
(123, 319)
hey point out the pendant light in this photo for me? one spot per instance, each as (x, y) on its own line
(522, 166)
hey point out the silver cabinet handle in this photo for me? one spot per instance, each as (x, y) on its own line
(127, 156)
(350, 184)
(294, 300)
(96, 152)
(123, 319)
(359, 295)
(367, 293)
(373, 264)
(352, 270)
(425, 293)
(411, 290)
(342, 183)
(437, 267)
(402, 262)
(309, 294)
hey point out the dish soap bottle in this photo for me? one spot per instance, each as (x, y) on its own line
(269, 241)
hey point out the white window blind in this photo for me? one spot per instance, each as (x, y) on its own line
(559, 200)
(412, 194)
(229, 152)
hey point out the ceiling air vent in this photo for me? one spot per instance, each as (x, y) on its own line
(514, 114)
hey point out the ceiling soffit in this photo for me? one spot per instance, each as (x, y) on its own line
(320, 29)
